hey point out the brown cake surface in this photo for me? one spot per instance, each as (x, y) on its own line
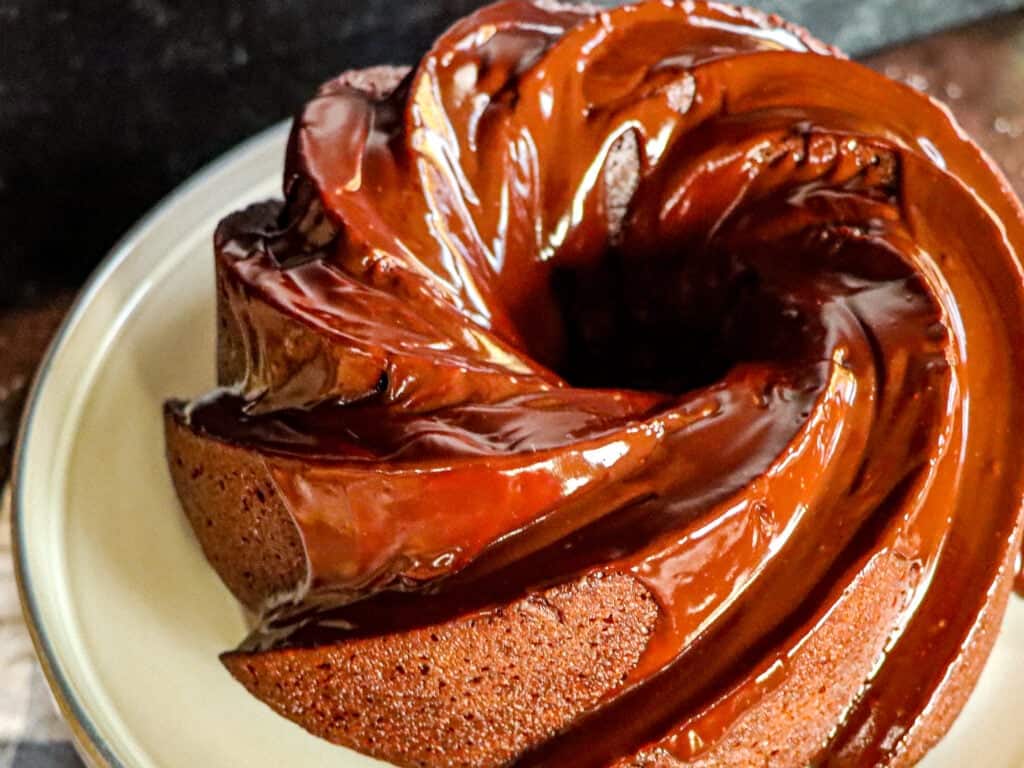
(628, 387)
(474, 691)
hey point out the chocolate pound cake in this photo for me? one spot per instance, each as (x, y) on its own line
(629, 387)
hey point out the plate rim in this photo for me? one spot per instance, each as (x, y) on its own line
(86, 737)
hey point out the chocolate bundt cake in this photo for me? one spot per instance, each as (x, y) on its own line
(633, 387)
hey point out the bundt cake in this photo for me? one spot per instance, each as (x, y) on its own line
(632, 387)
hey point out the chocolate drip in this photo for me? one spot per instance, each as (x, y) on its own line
(787, 353)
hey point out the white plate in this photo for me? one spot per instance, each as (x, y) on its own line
(126, 616)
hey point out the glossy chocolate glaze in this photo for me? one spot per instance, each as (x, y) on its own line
(794, 352)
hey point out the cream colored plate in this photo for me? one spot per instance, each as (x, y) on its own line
(127, 617)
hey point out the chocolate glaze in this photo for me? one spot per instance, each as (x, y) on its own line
(796, 353)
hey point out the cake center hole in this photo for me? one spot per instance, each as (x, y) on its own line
(667, 325)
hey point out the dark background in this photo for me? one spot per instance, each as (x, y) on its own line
(106, 106)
